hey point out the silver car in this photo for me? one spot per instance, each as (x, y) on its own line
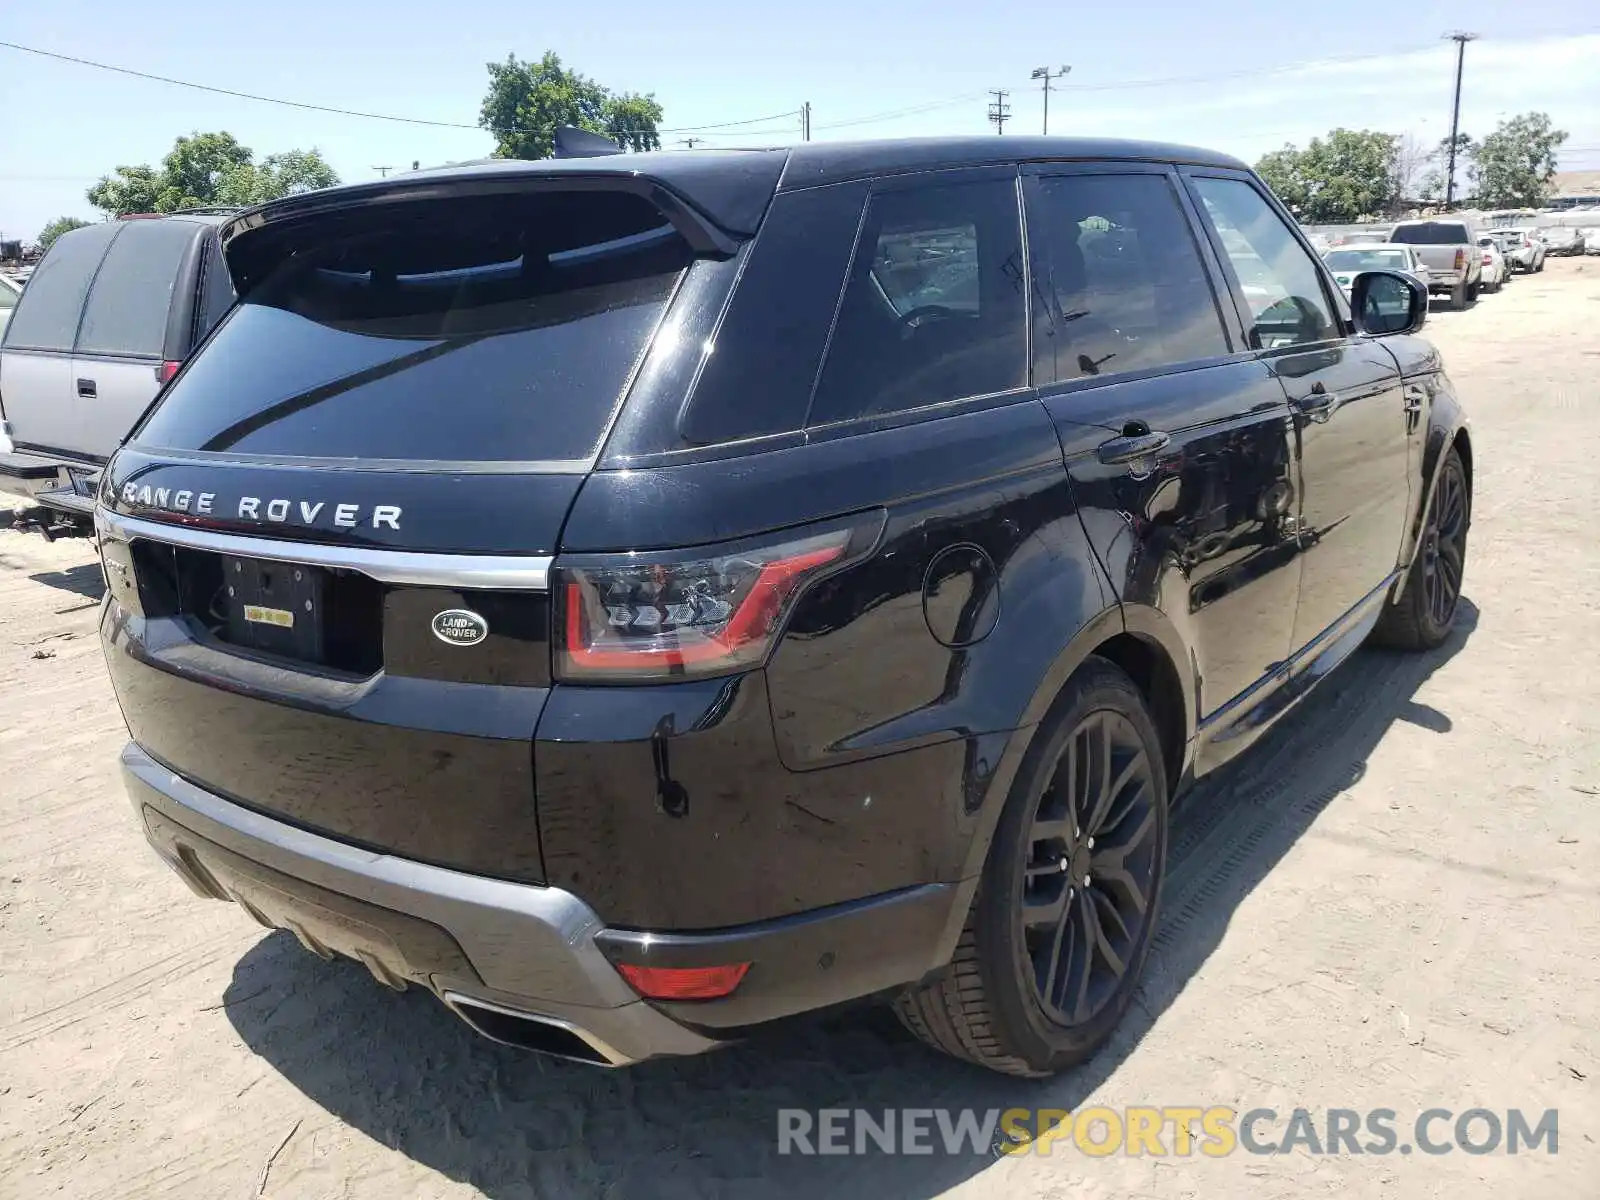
(10, 289)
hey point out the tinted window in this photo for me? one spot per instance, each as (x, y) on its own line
(492, 328)
(1284, 304)
(216, 291)
(1431, 233)
(1120, 282)
(934, 306)
(132, 294)
(770, 342)
(1368, 260)
(47, 315)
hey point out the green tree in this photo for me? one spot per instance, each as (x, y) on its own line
(1281, 171)
(527, 101)
(1347, 175)
(130, 190)
(49, 234)
(197, 167)
(210, 168)
(287, 174)
(1514, 166)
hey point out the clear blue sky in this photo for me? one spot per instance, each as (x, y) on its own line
(1266, 73)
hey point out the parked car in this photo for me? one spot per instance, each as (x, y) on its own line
(1591, 240)
(1495, 269)
(108, 316)
(1449, 248)
(473, 619)
(1522, 248)
(1347, 262)
(1562, 240)
(10, 290)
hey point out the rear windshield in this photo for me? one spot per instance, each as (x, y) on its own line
(127, 309)
(1367, 260)
(1431, 233)
(488, 328)
(47, 315)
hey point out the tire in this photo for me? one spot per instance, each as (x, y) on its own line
(1458, 297)
(1424, 615)
(1539, 268)
(990, 1008)
(1472, 291)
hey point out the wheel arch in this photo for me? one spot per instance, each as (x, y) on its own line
(1140, 641)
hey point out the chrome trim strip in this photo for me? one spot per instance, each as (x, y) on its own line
(518, 573)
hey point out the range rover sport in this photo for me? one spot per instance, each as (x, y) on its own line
(641, 598)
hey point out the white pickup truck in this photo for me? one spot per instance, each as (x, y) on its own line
(1448, 247)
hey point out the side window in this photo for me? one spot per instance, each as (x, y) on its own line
(216, 291)
(933, 309)
(1282, 288)
(1120, 281)
(47, 314)
(777, 322)
(127, 311)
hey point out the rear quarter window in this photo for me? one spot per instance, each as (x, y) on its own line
(47, 315)
(497, 328)
(934, 307)
(1432, 233)
(132, 292)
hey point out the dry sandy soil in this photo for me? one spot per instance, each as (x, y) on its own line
(1394, 903)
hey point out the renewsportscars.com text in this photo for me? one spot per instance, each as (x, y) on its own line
(1166, 1131)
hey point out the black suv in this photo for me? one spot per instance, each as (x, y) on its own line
(638, 599)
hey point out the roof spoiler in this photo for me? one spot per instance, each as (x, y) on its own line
(572, 142)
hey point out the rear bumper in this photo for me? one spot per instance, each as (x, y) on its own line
(493, 948)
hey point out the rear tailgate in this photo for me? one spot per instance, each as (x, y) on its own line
(327, 546)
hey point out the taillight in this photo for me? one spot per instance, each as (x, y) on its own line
(167, 370)
(1487, 258)
(685, 983)
(684, 614)
(1461, 260)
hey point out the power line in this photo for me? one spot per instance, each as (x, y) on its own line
(328, 108)
(894, 114)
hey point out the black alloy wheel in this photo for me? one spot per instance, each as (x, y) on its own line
(1091, 869)
(1444, 545)
(1056, 940)
(1425, 612)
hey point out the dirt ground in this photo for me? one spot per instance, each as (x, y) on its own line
(1394, 902)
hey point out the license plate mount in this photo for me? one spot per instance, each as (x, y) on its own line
(275, 607)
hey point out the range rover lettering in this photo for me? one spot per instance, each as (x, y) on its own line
(641, 598)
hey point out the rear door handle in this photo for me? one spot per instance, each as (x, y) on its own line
(86, 387)
(1132, 447)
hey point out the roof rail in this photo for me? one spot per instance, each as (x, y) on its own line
(199, 210)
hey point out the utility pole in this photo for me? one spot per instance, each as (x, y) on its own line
(383, 171)
(999, 110)
(1461, 39)
(1045, 74)
(805, 121)
(690, 142)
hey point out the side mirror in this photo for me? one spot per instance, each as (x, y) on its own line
(1387, 302)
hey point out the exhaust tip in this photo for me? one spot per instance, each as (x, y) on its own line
(534, 1031)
